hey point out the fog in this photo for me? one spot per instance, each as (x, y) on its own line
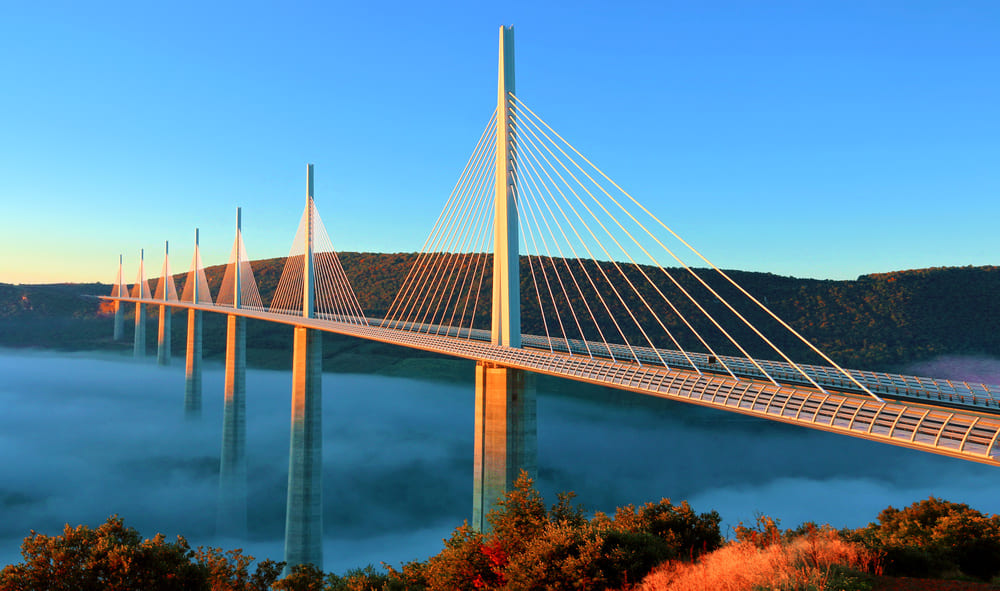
(84, 436)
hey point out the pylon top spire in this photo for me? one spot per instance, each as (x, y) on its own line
(237, 284)
(309, 269)
(165, 289)
(506, 326)
(141, 289)
(194, 285)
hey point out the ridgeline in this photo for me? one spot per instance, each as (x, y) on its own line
(878, 322)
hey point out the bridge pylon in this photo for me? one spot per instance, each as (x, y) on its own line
(167, 292)
(304, 512)
(118, 291)
(140, 291)
(506, 326)
(232, 517)
(193, 288)
(505, 420)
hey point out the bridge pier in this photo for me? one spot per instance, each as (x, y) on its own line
(163, 337)
(232, 518)
(304, 514)
(506, 436)
(139, 347)
(119, 321)
(192, 366)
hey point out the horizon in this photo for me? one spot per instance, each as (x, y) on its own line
(826, 141)
(151, 278)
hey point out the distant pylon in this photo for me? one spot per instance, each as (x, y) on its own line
(118, 291)
(167, 292)
(233, 460)
(304, 512)
(313, 283)
(195, 284)
(239, 288)
(141, 292)
(196, 288)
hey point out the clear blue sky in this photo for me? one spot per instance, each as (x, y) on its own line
(817, 139)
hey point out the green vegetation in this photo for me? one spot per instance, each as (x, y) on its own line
(115, 558)
(531, 547)
(935, 538)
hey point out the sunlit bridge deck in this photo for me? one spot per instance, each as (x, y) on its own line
(967, 432)
(921, 389)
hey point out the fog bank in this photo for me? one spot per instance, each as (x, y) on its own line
(86, 436)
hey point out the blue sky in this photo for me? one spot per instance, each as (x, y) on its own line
(816, 139)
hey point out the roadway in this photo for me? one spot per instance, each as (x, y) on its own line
(938, 416)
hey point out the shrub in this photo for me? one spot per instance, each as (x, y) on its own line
(115, 557)
(820, 560)
(935, 537)
(530, 547)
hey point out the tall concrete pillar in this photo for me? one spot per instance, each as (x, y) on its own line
(505, 437)
(119, 321)
(233, 461)
(304, 515)
(141, 292)
(139, 347)
(192, 362)
(192, 366)
(163, 337)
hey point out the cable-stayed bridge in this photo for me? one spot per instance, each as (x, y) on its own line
(539, 262)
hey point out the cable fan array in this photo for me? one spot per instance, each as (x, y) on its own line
(249, 295)
(165, 288)
(334, 297)
(594, 274)
(196, 276)
(447, 289)
(141, 287)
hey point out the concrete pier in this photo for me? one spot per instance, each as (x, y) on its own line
(192, 366)
(163, 337)
(232, 518)
(505, 438)
(139, 349)
(304, 516)
(119, 321)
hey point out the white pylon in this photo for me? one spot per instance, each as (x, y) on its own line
(506, 325)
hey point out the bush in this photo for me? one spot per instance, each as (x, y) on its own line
(115, 557)
(816, 561)
(530, 547)
(935, 537)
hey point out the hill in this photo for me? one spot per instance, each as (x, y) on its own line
(879, 322)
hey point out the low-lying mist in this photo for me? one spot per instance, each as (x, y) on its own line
(85, 436)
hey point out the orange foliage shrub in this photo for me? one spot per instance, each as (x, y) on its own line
(744, 566)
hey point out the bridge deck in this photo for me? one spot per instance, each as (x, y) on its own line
(958, 432)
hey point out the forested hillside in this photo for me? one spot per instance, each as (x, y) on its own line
(874, 322)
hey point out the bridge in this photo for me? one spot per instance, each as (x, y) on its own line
(539, 262)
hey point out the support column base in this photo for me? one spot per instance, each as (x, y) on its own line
(232, 519)
(505, 437)
(304, 514)
(192, 366)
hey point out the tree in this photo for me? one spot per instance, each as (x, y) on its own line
(111, 557)
(115, 557)
(934, 537)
